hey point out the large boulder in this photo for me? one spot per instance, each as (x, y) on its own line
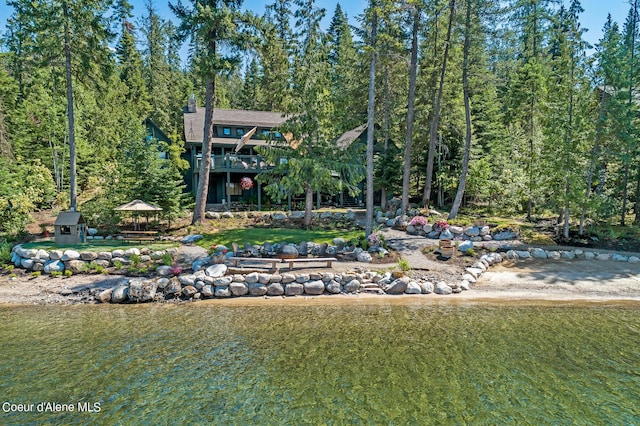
(120, 294)
(257, 289)
(398, 286)
(164, 270)
(413, 288)
(443, 288)
(173, 287)
(333, 287)
(53, 266)
(216, 271)
(352, 286)
(190, 239)
(426, 287)
(70, 255)
(275, 289)
(222, 281)
(294, 289)
(446, 235)
(505, 235)
(76, 266)
(104, 296)
(314, 287)
(201, 263)
(142, 290)
(465, 246)
(189, 291)
(289, 250)
(364, 257)
(538, 253)
(88, 256)
(252, 278)
(238, 289)
(472, 231)
(222, 291)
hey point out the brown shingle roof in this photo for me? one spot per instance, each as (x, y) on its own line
(194, 121)
(69, 218)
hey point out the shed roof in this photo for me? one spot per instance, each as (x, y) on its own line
(69, 218)
(194, 121)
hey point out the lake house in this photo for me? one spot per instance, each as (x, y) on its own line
(235, 163)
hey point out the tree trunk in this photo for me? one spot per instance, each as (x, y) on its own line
(308, 205)
(370, 124)
(205, 165)
(73, 186)
(433, 129)
(467, 115)
(629, 107)
(406, 173)
(383, 188)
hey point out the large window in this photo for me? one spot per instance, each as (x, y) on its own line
(235, 188)
(226, 131)
(239, 131)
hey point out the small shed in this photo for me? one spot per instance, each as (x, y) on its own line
(71, 228)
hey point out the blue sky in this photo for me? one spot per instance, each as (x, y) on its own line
(593, 17)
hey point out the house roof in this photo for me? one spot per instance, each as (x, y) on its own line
(194, 121)
(69, 218)
(347, 138)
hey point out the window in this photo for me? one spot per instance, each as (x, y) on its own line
(235, 188)
(266, 133)
(239, 131)
(66, 230)
(226, 131)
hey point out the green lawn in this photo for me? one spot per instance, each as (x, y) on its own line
(274, 235)
(99, 245)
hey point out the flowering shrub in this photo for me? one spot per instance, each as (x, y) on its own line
(441, 225)
(374, 239)
(175, 270)
(418, 221)
(246, 183)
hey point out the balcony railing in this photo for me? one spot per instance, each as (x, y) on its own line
(235, 162)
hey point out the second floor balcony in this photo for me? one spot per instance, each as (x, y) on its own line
(234, 163)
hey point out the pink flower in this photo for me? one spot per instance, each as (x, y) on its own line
(246, 183)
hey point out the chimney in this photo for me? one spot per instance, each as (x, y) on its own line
(192, 105)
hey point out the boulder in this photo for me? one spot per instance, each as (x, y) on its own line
(426, 287)
(603, 256)
(264, 278)
(339, 242)
(42, 254)
(289, 250)
(427, 228)
(364, 257)
(76, 266)
(302, 278)
(296, 215)
(212, 215)
(352, 286)
(222, 281)
(456, 230)
(199, 264)
(443, 288)
(552, 254)
(446, 235)
(53, 266)
(208, 291)
(294, 289)
(251, 278)
(568, 254)
(57, 254)
(413, 288)
(141, 291)
(465, 246)
(333, 287)
(117, 253)
(275, 289)
(472, 231)
(512, 255)
(238, 289)
(227, 215)
(619, 257)
(288, 278)
(314, 287)
(589, 255)
(257, 289)
(484, 230)
(173, 287)
(104, 296)
(69, 255)
(120, 294)
(523, 254)
(189, 291)
(216, 271)
(88, 256)
(190, 239)
(279, 216)
(505, 235)
(351, 215)
(475, 272)
(538, 253)
(187, 279)
(222, 291)
(398, 286)
(634, 259)
(464, 285)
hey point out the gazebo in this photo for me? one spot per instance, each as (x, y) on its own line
(137, 207)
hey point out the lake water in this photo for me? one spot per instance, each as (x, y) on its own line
(381, 363)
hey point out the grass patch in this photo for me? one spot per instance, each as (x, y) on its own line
(275, 235)
(99, 245)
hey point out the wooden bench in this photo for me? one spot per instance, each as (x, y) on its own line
(138, 236)
(272, 261)
(310, 259)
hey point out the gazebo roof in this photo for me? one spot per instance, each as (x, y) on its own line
(69, 219)
(138, 206)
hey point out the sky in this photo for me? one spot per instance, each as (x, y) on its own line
(593, 17)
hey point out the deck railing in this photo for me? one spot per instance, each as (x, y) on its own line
(235, 162)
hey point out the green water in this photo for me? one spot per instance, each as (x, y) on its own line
(380, 364)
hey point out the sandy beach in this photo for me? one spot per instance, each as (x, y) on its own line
(518, 282)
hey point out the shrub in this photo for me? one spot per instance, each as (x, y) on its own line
(117, 264)
(470, 252)
(12, 275)
(9, 267)
(403, 264)
(167, 259)
(441, 225)
(135, 260)
(56, 273)
(68, 273)
(36, 274)
(99, 269)
(176, 270)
